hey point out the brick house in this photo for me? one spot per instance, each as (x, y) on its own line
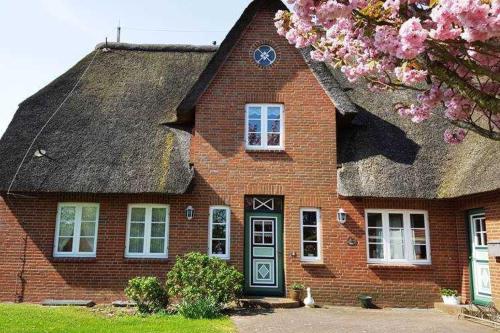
(248, 152)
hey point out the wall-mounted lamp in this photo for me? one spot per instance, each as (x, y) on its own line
(189, 212)
(341, 216)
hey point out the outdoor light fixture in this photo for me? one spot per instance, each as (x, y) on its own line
(189, 212)
(341, 216)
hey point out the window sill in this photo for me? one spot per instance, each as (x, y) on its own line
(426, 266)
(250, 150)
(317, 263)
(73, 259)
(145, 260)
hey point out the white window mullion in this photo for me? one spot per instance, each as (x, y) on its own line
(407, 236)
(147, 231)
(386, 237)
(78, 228)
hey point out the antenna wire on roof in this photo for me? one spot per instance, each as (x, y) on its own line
(48, 120)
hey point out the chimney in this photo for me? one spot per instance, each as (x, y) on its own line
(118, 32)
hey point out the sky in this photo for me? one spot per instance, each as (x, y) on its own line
(41, 39)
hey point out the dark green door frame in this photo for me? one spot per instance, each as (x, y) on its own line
(476, 299)
(264, 255)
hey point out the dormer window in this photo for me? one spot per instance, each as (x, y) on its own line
(264, 127)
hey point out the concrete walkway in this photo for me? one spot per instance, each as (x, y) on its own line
(346, 319)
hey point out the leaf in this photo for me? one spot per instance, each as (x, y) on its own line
(433, 3)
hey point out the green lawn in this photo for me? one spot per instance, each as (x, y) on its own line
(16, 318)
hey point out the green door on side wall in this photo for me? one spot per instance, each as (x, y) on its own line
(479, 263)
(264, 273)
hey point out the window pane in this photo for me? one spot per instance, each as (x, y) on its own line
(375, 220)
(87, 244)
(417, 221)
(66, 228)
(418, 236)
(268, 238)
(257, 226)
(219, 231)
(158, 229)
(218, 247)
(310, 249)
(68, 214)
(310, 234)
(375, 235)
(396, 220)
(138, 214)
(65, 245)
(420, 252)
(89, 214)
(309, 218)
(397, 249)
(273, 126)
(254, 126)
(268, 226)
(254, 139)
(254, 112)
(159, 215)
(273, 139)
(376, 251)
(273, 112)
(87, 229)
(137, 229)
(219, 216)
(257, 238)
(157, 245)
(136, 245)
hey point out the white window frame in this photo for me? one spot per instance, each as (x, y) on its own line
(407, 236)
(263, 129)
(319, 257)
(227, 255)
(76, 233)
(147, 232)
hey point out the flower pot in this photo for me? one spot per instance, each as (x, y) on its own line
(296, 294)
(450, 300)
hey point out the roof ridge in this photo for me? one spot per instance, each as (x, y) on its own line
(157, 47)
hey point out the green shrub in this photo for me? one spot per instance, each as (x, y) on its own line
(197, 277)
(199, 308)
(148, 293)
(448, 292)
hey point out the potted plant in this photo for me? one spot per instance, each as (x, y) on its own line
(450, 296)
(296, 290)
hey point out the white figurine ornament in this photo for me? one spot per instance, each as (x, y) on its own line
(309, 301)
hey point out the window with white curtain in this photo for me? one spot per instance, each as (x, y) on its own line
(147, 231)
(219, 231)
(76, 230)
(397, 236)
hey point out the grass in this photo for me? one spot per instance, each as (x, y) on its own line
(29, 318)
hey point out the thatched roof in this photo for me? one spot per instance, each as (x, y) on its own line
(110, 136)
(326, 79)
(384, 155)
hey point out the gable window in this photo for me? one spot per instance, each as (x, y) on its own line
(395, 236)
(219, 231)
(264, 127)
(147, 231)
(76, 230)
(310, 234)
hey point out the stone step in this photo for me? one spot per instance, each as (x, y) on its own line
(449, 309)
(67, 302)
(269, 302)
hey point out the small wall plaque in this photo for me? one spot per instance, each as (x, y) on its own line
(351, 241)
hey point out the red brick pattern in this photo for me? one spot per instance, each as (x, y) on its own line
(305, 174)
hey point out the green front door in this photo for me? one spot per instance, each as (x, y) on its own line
(264, 274)
(479, 263)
